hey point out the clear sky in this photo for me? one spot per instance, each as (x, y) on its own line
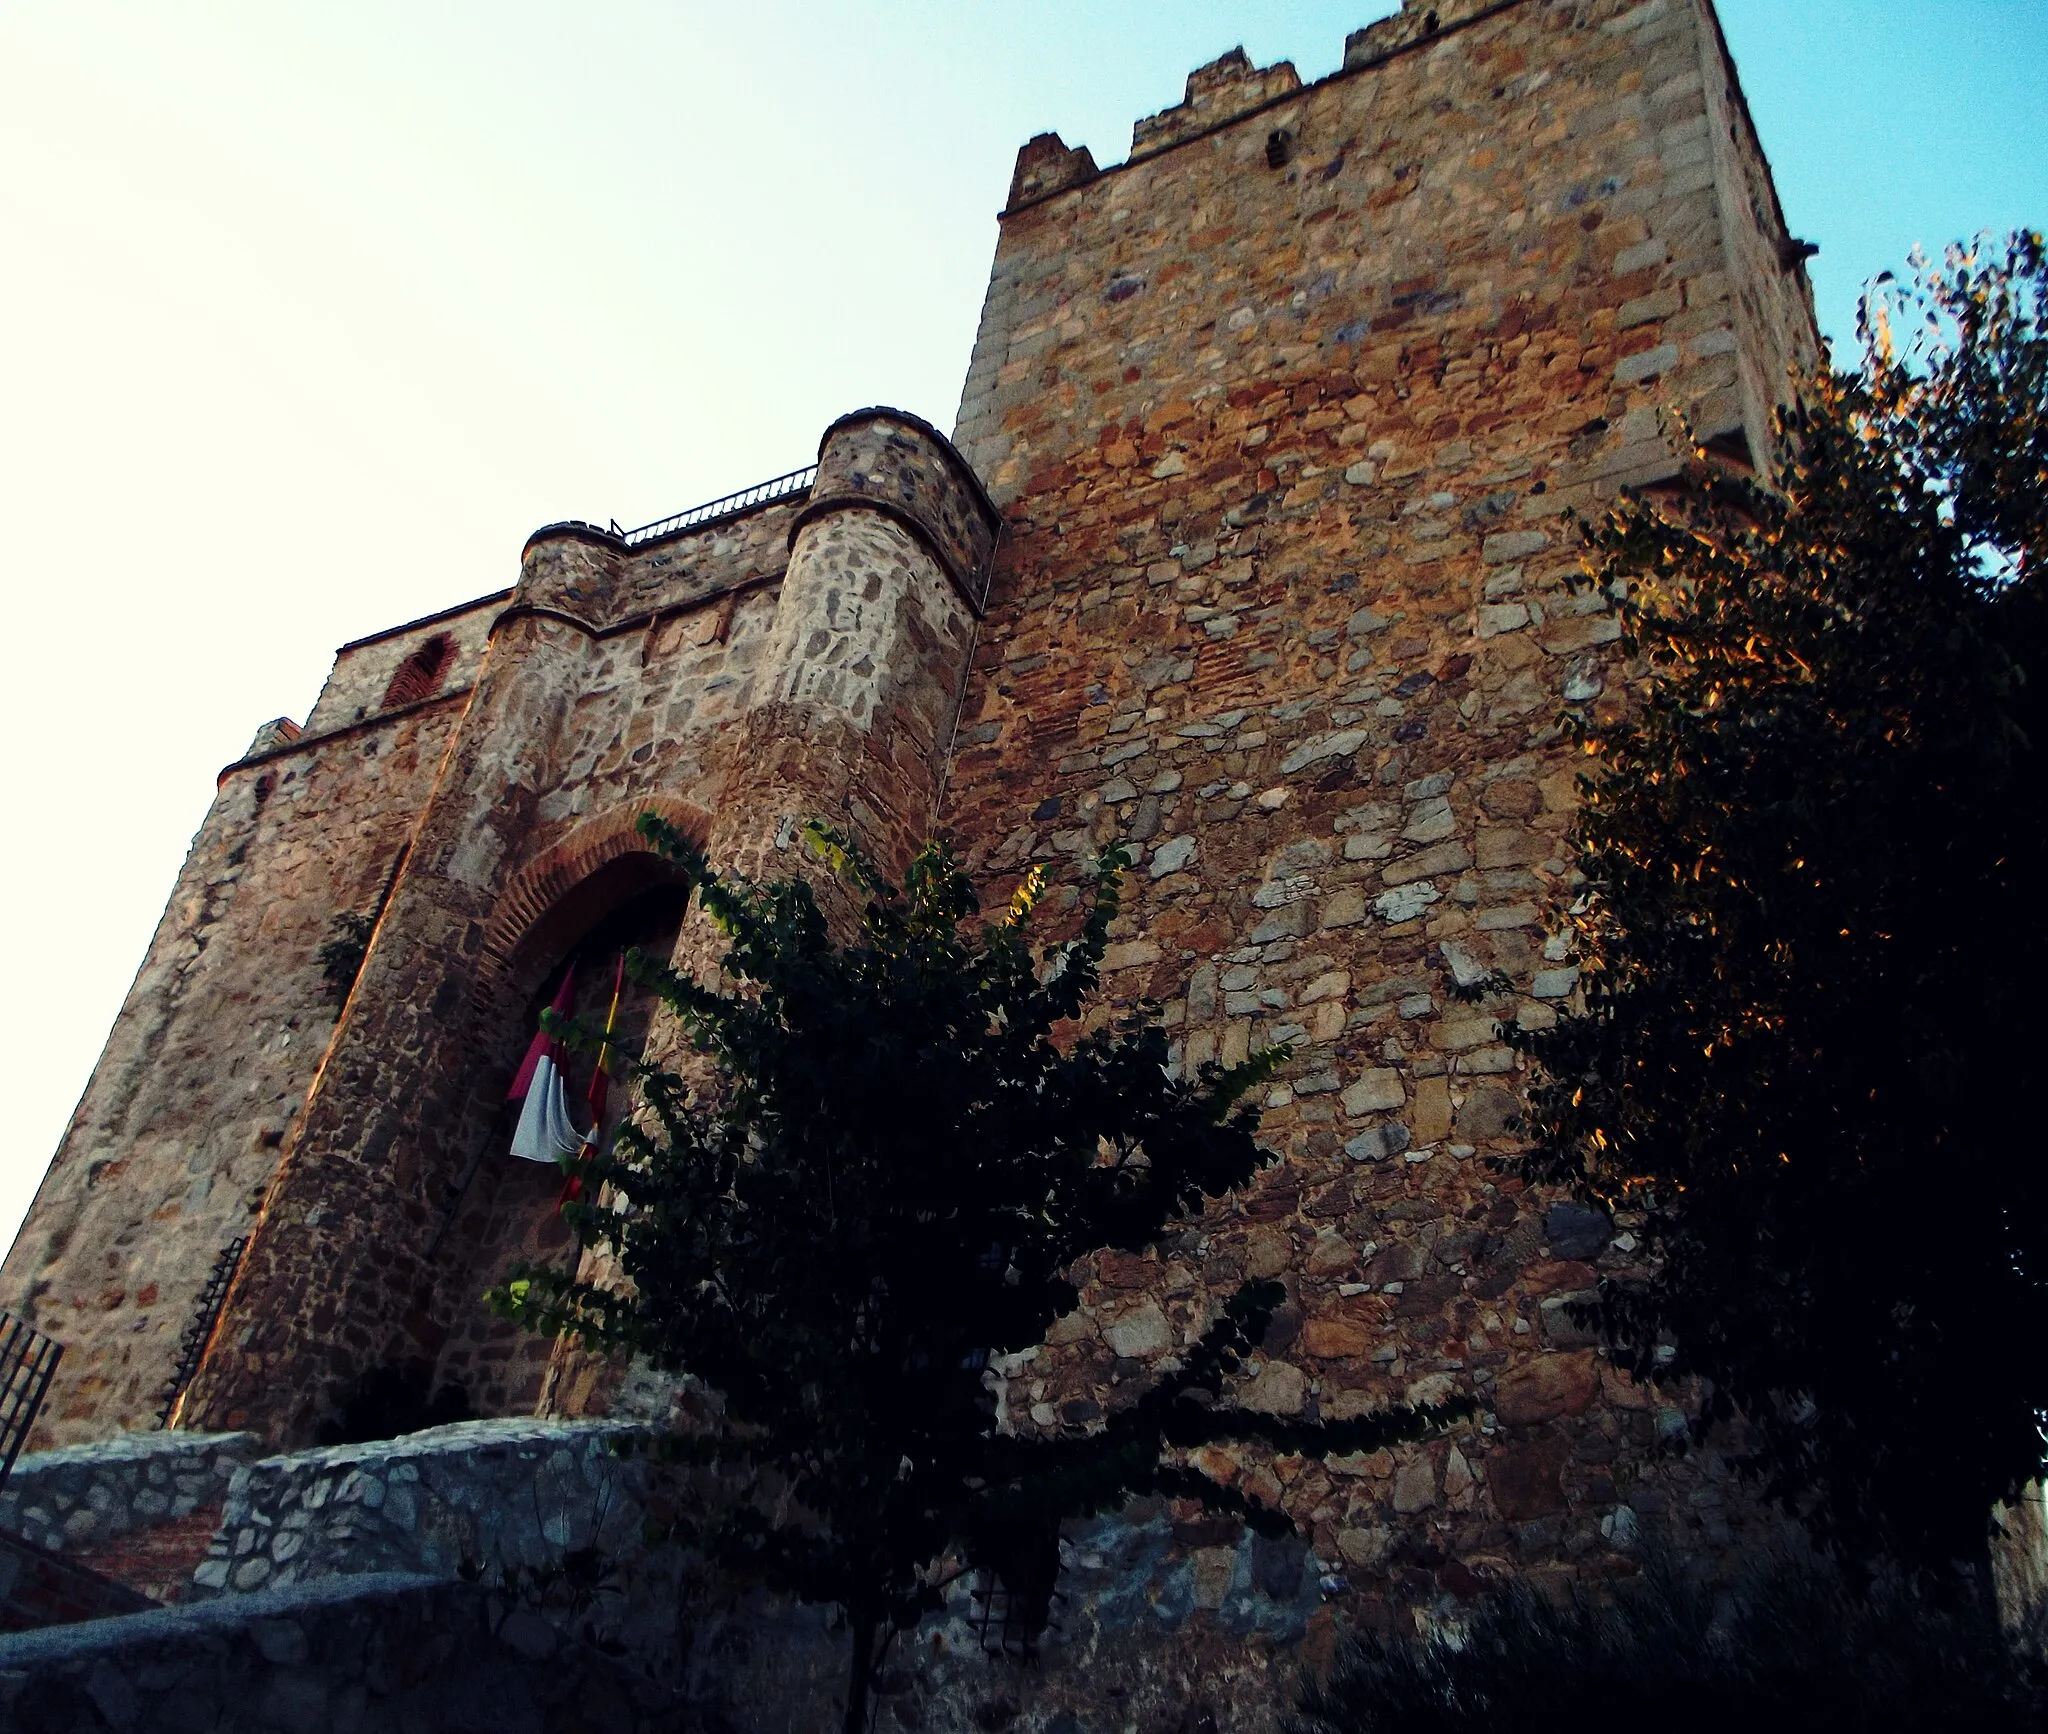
(310, 312)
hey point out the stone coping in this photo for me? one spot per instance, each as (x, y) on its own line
(139, 1447)
(456, 1438)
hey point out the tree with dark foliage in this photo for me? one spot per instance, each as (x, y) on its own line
(1811, 937)
(894, 1151)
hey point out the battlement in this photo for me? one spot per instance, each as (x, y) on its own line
(1230, 87)
(1418, 21)
(1226, 88)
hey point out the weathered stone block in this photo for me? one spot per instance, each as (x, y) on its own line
(1546, 1388)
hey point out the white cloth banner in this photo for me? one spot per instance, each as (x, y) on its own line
(545, 1132)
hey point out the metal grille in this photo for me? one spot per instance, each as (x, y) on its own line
(204, 1317)
(796, 482)
(28, 1361)
(999, 1619)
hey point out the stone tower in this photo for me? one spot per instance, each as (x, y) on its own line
(1250, 548)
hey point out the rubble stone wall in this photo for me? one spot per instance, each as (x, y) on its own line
(80, 1497)
(823, 682)
(1286, 419)
(481, 1495)
(205, 1073)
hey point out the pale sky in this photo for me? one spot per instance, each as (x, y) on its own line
(309, 313)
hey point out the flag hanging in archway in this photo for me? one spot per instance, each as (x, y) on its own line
(545, 1132)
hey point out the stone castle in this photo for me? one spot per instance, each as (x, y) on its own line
(1249, 546)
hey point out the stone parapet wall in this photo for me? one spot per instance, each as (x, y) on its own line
(478, 1495)
(1046, 166)
(1219, 92)
(80, 1497)
(601, 580)
(363, 671)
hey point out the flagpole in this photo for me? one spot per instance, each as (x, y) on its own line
(611, 1018)
(600, 1080)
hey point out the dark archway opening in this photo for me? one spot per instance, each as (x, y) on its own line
(389, 1401)
(505, 1211)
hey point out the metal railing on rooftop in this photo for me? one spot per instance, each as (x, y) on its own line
(780, 487)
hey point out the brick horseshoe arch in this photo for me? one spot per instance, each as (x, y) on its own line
(542, 893)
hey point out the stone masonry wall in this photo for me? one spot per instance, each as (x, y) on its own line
(1152, 1613)
(506, 1213)
(572, 726)
(137, 1510)
(390, 1650)
(486, 1495)
(1778, 344)
(871, 647)
(859, 696)
(203, 1077)
(363, 670)
(83, 1496)
(824, 684)
(180, 1132)
(1286, 419)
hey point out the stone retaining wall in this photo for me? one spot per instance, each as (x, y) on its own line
(481, 1496)
(552, 1517)
(81, 1497)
